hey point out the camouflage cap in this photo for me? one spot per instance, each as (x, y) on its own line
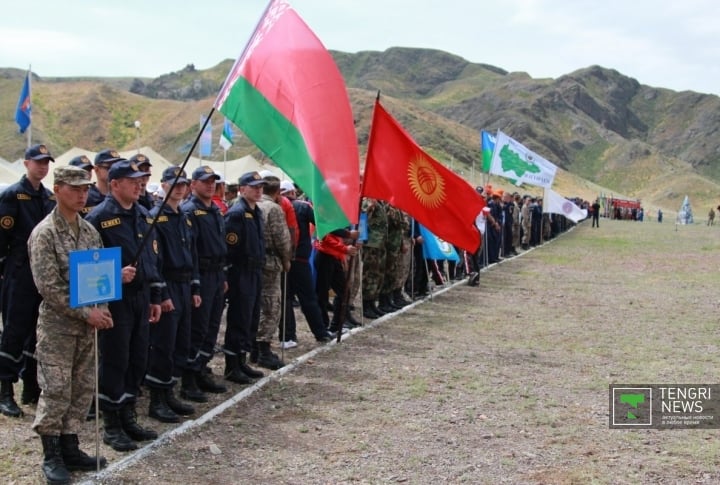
(71, 175)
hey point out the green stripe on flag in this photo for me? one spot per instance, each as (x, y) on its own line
(281, 141)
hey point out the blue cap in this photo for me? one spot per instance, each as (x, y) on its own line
(38, 152)
(170, 173)
(140, 159)
(81, 161)
(203, 173)
(107, 157)
(125, 169)
(252, 179)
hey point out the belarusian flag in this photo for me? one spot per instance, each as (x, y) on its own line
(288, 96)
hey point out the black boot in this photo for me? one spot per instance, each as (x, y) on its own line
(267, 359)
(114, 435)
(385, 305)
(247, 370)
(159, 408)
(254, 353)
(179, 407)
(53, 465)
(233, 373)
(206, 383)
(128, 419)
(31, 391)
(8, 406)
(353, 321)
(189, 389)
(399, 299)
(75, 458)
(376, 309)
(368, 311)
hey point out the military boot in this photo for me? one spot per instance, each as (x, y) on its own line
(399, 299)
(75, 458)
(128, 420)
(267, 359)
(206, 383)
(385, 305)
(247, 370)
(8, 406)
(353, 321)
(159, 409)
(254, 353)
(53, 465)
(31, 390)
(368, 311)
(233, 373)
(189, 389)
(376, 309)
(179, 407)
(114, 435)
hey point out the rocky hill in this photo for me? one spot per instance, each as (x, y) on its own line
(597, 124)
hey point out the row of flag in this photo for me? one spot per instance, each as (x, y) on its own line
(226, 137)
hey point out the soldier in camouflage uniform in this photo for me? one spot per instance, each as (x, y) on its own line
(65, 340)
(405, 260)
(392, 258)
(278, 254)
(525, 222)
(374, 255)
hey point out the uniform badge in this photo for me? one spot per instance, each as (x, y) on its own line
(231, 238)
(7, 222)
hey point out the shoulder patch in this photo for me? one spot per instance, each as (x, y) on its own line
(160, 219)
(7, 222)
(149, 220)
(200, 212)
(248, 215)
(23, 197)
(231, 238)
(110, 223)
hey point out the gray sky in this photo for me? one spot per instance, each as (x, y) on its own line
(660, 43)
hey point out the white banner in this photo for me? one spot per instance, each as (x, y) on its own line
(554, 203)
(513, 161)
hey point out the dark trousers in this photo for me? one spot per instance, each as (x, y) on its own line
(124, 349)
(418, 281)
(330, 275)
(170, 339)
(287, 327)
(20, 305)
(205, 320)
(243, 313)
(300, 283)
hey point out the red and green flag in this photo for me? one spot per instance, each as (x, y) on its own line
(288, 96)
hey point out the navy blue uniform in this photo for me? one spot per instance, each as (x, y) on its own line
(124, 348)
(178, 264)
(209, 229)
(95, 198)
(246, 258)
(21, 209)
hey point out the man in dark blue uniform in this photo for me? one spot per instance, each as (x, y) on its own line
(122, 222)
(103, 161)
(209, 229)
(22, 206)
(178, 264)
(143, 163)
(246, 258)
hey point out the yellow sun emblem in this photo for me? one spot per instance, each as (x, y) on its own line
(426, 183)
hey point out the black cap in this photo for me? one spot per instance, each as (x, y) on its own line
(107, 157)
(125, 169)
(170, 173)
(38, 152)
(252, 179)
(81, 161)
(203, 173)
(140, 160)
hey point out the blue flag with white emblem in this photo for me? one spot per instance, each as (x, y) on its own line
(22, 113)
(436, 248)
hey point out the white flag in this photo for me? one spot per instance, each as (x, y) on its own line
(513, 161)
(555, 203)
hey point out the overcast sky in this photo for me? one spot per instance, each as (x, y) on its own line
(660, 43)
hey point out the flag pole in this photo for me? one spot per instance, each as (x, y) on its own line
(172, 186)
(29, 130)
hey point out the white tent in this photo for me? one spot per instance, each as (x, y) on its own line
(233, 169)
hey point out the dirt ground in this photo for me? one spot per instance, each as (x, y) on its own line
(503, 383)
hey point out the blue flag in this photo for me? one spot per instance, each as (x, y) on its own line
(22, 113)
(205, 139)
(436, 248)
(487, 146)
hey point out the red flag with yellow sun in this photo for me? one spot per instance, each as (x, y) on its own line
(398, 171)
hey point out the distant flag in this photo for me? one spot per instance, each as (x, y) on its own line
(226, 136)
(205, 138)
(435, 248)
(24, 109)
(288, 96)
(513, 161)
(554, 203)
(487, 146)
(399, 171)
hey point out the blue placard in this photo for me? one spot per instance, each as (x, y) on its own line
(363, 227)
(95, 276)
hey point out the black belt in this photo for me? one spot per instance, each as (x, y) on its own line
(177, 276)
(211, 264)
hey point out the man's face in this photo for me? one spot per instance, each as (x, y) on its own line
(101, 172)
(71, 197)
(126, 189)
(205, 189)
(178, 192)
(252, 193)
(37, 169)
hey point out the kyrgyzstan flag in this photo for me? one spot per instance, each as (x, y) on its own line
(288, 96)
(399, 171)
